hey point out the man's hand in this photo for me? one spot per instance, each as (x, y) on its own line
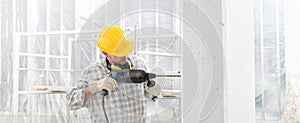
(154, 91)
(107, 83)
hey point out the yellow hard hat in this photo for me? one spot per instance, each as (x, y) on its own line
(113, 41)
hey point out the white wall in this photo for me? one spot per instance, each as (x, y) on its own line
(292, 31)
(292, 43)
(203, 62)
(239, 46)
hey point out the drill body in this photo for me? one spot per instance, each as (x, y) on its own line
(131, 76)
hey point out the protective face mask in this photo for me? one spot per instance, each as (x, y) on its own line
(116, 66)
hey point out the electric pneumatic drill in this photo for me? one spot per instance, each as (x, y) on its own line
(131, 76)
(134, 76)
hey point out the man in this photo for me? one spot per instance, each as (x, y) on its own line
(125, 102)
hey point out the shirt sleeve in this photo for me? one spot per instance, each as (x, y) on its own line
(139, 63)
(75, 97)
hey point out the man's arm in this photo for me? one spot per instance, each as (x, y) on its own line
(88, 94)
(78, 96)
(150, 91)
(75, 98)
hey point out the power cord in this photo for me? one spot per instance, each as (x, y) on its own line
(104, 109)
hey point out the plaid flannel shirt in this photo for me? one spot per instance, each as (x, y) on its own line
(126, 104)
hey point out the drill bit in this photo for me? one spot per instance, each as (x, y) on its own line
(168, 75)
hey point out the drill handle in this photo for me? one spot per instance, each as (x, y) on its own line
(150, 83)
(104, 92)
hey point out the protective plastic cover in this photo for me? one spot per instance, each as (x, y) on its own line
(45, 45)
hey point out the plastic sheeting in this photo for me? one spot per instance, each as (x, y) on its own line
(49, 42)
(270, 74)
(277, 61)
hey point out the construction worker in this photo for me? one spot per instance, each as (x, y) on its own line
(125, 102)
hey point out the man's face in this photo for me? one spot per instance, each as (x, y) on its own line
(115, 59)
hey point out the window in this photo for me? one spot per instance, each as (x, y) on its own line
(54, 40)
(269, 59)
